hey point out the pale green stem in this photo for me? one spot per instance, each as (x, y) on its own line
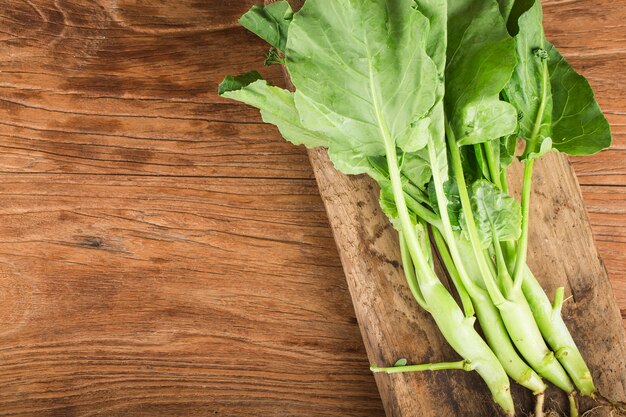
(460, 365)
(466, 301)
(480, 157)
(531, 146)
(492, 269)
(573, 405)
(420, 211)
(457, 167)
(555, 332)
(539, 401)
(409, 273)
(427, 248)
(503, 273)
(442, 202)
(522, 245)
(499, 179)
(492, 163)
(503, 184)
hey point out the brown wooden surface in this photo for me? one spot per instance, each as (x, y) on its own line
(164, 253)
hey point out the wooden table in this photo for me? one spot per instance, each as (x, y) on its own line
(162, 252)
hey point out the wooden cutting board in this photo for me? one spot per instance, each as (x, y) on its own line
(562, 253)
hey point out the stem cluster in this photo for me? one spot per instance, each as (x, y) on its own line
(522, 328)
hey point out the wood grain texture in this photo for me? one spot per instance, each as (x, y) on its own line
(164, 253)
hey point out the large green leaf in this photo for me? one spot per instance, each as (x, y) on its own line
(497, 215)
(578, 126)
(270, 23)
(276, 105)
(481, 58)
(557, 105)
(362, 76)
